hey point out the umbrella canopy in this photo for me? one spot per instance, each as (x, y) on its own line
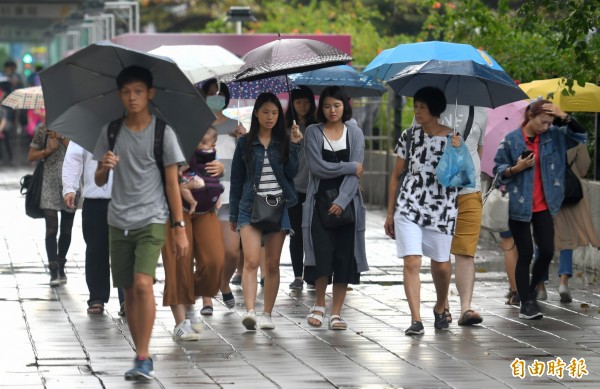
(286, 56)
(354, 83)
(391, 61)
(81, 95)
(585, 99)
(463, 82)
(251, 89)
(500, 122)
(25, 98)
(201, 62)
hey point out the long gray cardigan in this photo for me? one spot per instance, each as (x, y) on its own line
(349, 190)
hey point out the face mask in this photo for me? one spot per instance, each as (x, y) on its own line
(216, 103)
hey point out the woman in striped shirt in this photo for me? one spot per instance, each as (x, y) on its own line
(265, 158)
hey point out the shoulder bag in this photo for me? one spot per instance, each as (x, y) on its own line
(573, 188)
(31, 187)
(324, 200)
(267, 211)
(494, 215)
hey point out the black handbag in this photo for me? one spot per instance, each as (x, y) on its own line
(573, 188)
(31, 187)
(323, 201)
(267, 212)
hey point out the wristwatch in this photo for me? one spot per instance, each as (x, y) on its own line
(179, 223)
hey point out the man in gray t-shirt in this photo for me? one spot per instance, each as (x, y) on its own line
(468, 222)
(138, 210)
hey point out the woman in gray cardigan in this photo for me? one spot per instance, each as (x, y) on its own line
(334, 153)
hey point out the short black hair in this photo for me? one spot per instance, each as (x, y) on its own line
(134, 73)
(337, 93)
(434, 98)
(10, 63)
(223, 90)
(302, 92)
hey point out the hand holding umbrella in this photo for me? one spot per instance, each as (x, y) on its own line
(296, 136)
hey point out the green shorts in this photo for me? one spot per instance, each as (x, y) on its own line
(134, 251)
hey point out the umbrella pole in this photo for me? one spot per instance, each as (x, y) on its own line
(291, 106)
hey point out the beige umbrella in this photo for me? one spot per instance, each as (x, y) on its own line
(25, 98)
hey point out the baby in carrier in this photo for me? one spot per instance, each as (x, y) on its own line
(199, 190)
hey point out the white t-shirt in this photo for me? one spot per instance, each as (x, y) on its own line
(475, 138)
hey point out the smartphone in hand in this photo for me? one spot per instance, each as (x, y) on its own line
(526, 153)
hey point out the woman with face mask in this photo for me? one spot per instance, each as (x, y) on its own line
(217, 98)
(531, 162)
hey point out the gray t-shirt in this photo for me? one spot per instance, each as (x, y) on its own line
(475, 138)
(138, 197)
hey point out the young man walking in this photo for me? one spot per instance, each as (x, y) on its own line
(139, 209)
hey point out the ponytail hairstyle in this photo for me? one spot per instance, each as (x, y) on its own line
(278, 133)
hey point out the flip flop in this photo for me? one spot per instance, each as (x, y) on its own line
(469, 318)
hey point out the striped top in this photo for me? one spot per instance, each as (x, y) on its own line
(268, 184)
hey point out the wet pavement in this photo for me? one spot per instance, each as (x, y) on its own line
(48, 339)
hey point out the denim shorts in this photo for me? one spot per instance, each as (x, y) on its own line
(245, 215)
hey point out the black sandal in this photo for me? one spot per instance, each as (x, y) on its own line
(513, 299)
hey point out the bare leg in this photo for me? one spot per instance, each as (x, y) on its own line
(564, 279)
(178, 313)
(339, 295)
(251, 244)
(186, 194)
(510, 260)
(141, 311)
(207, 301)
(272, 258)
(231, 242)
(412, 285)
(440, 271)
(465, 281)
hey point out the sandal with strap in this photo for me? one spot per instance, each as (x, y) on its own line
(96, 309)
(316, 313)
(337, 323)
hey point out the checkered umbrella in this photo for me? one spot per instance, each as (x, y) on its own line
(25, 98)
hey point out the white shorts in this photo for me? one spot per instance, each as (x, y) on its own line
(412, 239)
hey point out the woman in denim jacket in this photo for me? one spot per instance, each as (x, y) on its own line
(266, 158)
(531, 162)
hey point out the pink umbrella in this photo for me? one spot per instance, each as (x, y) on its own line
(501, 121)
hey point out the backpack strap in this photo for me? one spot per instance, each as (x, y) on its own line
(469, 122)
(113, 130)
(159, 137)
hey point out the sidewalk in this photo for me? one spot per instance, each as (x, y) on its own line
(49, 341)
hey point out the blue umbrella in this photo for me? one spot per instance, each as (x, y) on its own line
(354, 83)
(463, 82)
(391, 61)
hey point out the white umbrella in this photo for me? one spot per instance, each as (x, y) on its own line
(25, 98)
(200, 62)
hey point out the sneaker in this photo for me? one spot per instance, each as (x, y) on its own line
(249, 320)
(440, 322)
(236, 279)
(206, 310)
(229, 300)
(122, 309)
(530, 310)
(196, 324)
(416, 328)
(266, 322)
(565, 294)
(143, 370)
(262, 281)
(184, 331)
(310, 286)
(54, 276)
(541, 295)
(297, 284)
(62, 277)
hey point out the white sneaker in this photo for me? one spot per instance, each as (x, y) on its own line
(266, 322)
(183, 331)
(249, 320)
(195, 322)
(565, 294)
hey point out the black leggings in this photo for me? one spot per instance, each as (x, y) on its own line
(296, 243)
(543, 234)
(53, 250)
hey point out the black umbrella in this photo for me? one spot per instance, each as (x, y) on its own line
(81, 94)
